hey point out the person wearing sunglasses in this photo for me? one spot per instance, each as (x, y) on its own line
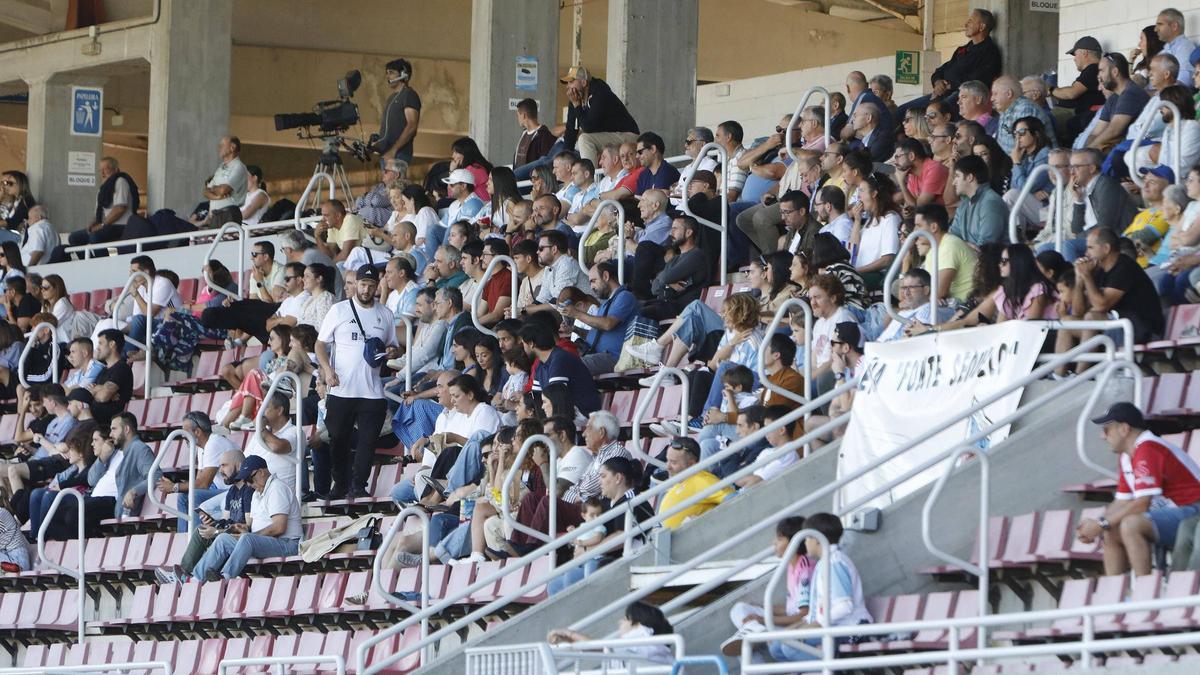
(15, 201)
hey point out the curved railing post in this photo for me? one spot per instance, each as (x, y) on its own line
(894, 268)
(760, 364)
(377, 580)
(487, 275)
(824, 584)
(301, 441)
(116, 317)
(408, 340)
(32, 338)
(620, 235)
(1085, 414)
(981, 571)
(643, 406)
(1055, 217)
(243, 282)
(795, 120)
(77, 574)
(723, 227)
(1176, 140)
(152, 489)
(551, 487)
(308, 188)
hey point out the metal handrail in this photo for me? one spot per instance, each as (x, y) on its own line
(620, 235)
(1085, 647)
(981, 570)
(760, 364)
(116, 318)
(1131, 158)
(408, 340)
(825, 582)
(179, 236)
(674, 160)
(377, 577)
(483, 281)
(795, 120)
(894, 268)
(1055, 218)
(577, 651)
(684, 205)
(77, 574)
(1086, 413)
(610, 545)
(25, 351)
(551, 489)
(1127, 343)
(208, 256)
(643, 406)
(338, 661)
(304, 195)
(167, 668)
(301, 441)
(152, 489)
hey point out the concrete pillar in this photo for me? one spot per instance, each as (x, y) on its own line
(652, 48)
(63, 168)
(1028, 40)
(503, 31)
(189, 100)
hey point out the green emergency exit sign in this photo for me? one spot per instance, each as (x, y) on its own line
(908, 67)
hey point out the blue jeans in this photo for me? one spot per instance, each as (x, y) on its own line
(229, 554)
(404, 492)
(573, 576)
(468, 466)
(19, 556)
(697, 320)
(181, 503)
(785, 653)
(39, 504)
(524, 171)
(137, 331)
(710, 438)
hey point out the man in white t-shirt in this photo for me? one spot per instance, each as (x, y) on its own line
(266, 275)
(209, 482)
(161, 294)
(355, 397)
(272, 528)
(40, 237)
(279, 439)
(573, 459)
(226, 190)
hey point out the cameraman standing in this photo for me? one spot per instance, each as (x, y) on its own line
(401, 117)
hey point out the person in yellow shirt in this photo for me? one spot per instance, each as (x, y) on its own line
(682, 454)
(1149, 226)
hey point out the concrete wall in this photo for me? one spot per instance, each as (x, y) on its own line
(1115, 23)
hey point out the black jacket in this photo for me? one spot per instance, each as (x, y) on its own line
(971, 62)
(603, 111)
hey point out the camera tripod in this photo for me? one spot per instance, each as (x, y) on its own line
(330, 164)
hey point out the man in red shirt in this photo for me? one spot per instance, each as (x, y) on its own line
(1158, 487)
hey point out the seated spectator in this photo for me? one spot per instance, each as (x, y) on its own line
(16, 199)
(846, 351)
(72, 322)
(147, 299)
(280, 437)
(338, 233)
(217, 514)
(1170, 28)
(595, 115)
(287, 355)
(177, 336)
(748, 618)
(1148, 47)
(559, 366)
(399, 287)
(974, 105)
(1171, 267)
(682, 454)
(84, 368)
(981, 217)
(921, 179)
(914, 305)
(77, 451)
(40, 238)
(776, 438)
(649, 244)
(1163, 153)
(560, 270)
(1158, 489)
(14, 549)
(19, 305)
(641, 621)
(272, 528)
(113, 387)
(830, 210)
(619, 480)
(871, 131)
(47, 440)
(1030, 150)
(583, 175)
(830, 257)
(827, 298)
(878, 239)
(445, 271)
(729, 136)
(978, 59)
(800, 225)
(209, 481)
(1126, 103)
(1083, 95)
(845, 605)
(656, 173)
(955, 259)
(494, 216)
(1094, 195)
(737, 394)
(598, 240)
(915, 126)
(1148, 227)
(1013, 106)
(609, 322)
(116, 201)
(859, 93)
(685, 275)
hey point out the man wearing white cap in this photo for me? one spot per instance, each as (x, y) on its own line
(461, 186)
(595, 115)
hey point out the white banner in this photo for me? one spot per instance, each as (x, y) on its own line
(911, 386)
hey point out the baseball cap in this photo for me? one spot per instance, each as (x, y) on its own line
(1087, 42)
(250, 464)
(1162, 171)
(575, 73)
(82, 395)
(1125, 412)
(459, 176)
(368, 272)
(848, 332)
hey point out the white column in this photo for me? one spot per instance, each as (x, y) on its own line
(58, 161)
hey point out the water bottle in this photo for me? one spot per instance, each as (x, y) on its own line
(467, 508)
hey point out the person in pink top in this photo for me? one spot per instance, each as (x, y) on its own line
(465, 154)
(921, 178)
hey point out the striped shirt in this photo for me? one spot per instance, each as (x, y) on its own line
(589, 480)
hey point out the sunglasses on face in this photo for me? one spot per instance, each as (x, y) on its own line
(7, 183)
(1021, 132)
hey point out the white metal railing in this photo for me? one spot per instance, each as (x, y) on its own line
(152, 489)
(301, 441)
(487, 276)
(795, 120)
(824, 585)
(894, 269)
(1054, 219)
(643, 406)
(79, 573)
(316, 177)
(1131, 158)
(1085, 414)
(408, 340)
(539, 658)
(517, 566)
(139, 243)
(760, 364)
(1087, 646)
(377, 572)
(31, 339)
(1126, 344)
(208, 256)
(116, 319)
(149, 666)
(551, 490)
(723, 226)
(338, 661)
(620, 235)
(534, 658)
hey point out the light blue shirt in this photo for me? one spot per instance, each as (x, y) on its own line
(657, 230)
(1181, 48)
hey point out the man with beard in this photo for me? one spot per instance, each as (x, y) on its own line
(1122, 108)
(685, 275)
(617, 309)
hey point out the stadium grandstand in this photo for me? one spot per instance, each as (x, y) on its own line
(705, 336)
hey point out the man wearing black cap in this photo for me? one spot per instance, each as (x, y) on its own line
(1083, 95)
(401, 117)
(1158, 487)
(271, 530)
(353, 330)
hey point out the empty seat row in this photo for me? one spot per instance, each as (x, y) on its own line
(916, 607)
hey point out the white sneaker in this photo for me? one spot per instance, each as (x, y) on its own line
(667, 380)
(733, 645)
(650, 352)
(471, 559)
(396, 364)
(242, 423)
(666, 429)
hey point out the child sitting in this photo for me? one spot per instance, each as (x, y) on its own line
(748, 618)
(720, 425)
